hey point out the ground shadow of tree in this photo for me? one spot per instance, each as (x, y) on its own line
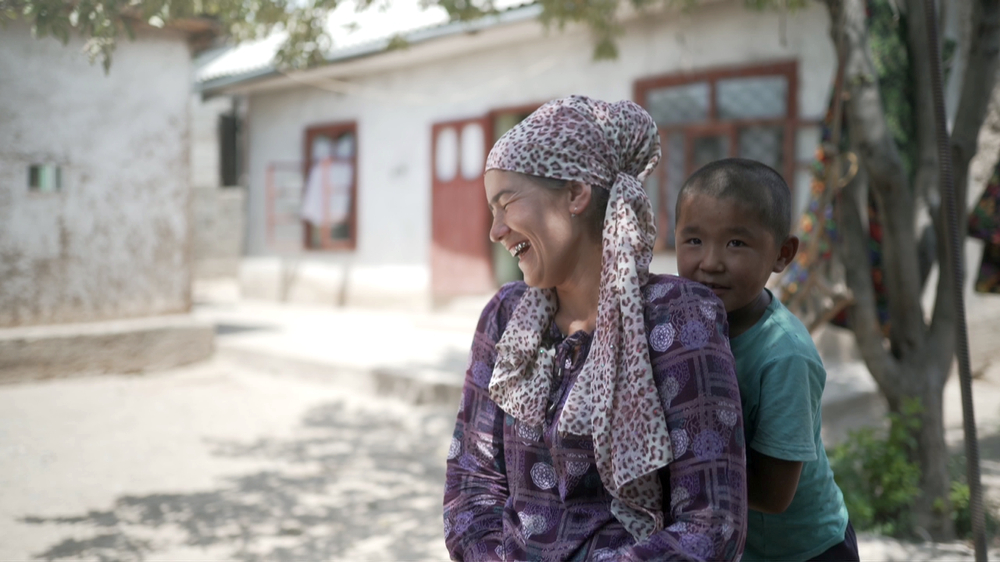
(352, 485)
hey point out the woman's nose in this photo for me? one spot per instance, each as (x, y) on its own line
(498, 229)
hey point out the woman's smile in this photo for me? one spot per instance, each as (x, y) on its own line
(519, 249)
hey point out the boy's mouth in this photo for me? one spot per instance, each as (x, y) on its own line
(716, 288)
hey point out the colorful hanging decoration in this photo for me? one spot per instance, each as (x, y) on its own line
(984, 224)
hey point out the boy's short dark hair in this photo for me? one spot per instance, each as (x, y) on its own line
(754, 185)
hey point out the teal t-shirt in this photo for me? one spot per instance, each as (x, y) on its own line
(781, 379)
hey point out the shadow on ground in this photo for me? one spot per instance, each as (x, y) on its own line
(224, 329)
(351, 485)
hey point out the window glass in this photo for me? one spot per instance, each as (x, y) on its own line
(757, 97)
(679, 104)
(473, 151)
(652, 186)
(44, 177)
(446, 154)
(709, 149)
(327, 204)
(764, 144)
(675, 163)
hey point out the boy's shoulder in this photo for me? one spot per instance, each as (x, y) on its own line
(778, 334)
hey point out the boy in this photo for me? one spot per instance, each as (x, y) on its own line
(732, 230)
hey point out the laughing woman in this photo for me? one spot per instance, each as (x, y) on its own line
(600, 417)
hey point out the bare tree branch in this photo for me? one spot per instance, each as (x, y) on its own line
(862, 315)
(852, 246)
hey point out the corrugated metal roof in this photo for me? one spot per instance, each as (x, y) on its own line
(354, 33)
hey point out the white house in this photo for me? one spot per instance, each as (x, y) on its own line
(382, 150)
(94, 178)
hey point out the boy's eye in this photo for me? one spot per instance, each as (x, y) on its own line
(693, 241)
(737, 243)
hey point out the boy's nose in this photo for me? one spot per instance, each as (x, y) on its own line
(712, 262)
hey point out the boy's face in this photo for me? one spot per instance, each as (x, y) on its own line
(724, 246)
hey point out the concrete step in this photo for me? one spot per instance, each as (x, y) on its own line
(135, 345)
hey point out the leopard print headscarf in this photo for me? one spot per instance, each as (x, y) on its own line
(614, 400)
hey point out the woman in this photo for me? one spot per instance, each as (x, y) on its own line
(600, 417)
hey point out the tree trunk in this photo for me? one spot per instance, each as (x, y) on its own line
(932, 512)
(913, 366)
(919, 357)
(899, 380)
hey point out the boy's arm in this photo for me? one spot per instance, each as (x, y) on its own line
(771, 482)
(784, 435)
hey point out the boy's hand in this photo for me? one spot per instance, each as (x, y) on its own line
(771, 482)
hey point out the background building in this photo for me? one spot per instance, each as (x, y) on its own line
(398, 212)
(94, 179)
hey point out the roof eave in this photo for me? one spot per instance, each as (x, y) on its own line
(225, 84)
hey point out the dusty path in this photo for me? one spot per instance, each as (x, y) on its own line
(219, 461)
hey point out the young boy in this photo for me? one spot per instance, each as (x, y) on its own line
(732, 231)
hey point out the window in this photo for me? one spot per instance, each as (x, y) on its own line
(329, 198)
(44, 178)
(747, 112)
(229, 169)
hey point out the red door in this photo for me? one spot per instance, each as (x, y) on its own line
(461, 258)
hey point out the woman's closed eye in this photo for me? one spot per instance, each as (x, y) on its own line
(500, 206)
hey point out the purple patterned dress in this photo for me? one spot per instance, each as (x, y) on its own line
(517, 492)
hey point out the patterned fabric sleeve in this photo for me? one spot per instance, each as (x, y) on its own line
(696, 377)
(476, 479)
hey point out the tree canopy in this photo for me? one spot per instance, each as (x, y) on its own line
(103, 23)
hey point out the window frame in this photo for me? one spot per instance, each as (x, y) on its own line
(729, 127)
(333, 130)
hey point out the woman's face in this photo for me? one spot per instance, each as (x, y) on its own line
(535, 225)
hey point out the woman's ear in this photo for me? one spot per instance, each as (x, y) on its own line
(580, 196)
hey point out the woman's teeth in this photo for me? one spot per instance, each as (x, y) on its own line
(519, 249)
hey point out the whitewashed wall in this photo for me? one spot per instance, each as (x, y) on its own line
(115, 241)
(395, 110)
(218, 212)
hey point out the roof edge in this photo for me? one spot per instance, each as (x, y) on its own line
(380, 46)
